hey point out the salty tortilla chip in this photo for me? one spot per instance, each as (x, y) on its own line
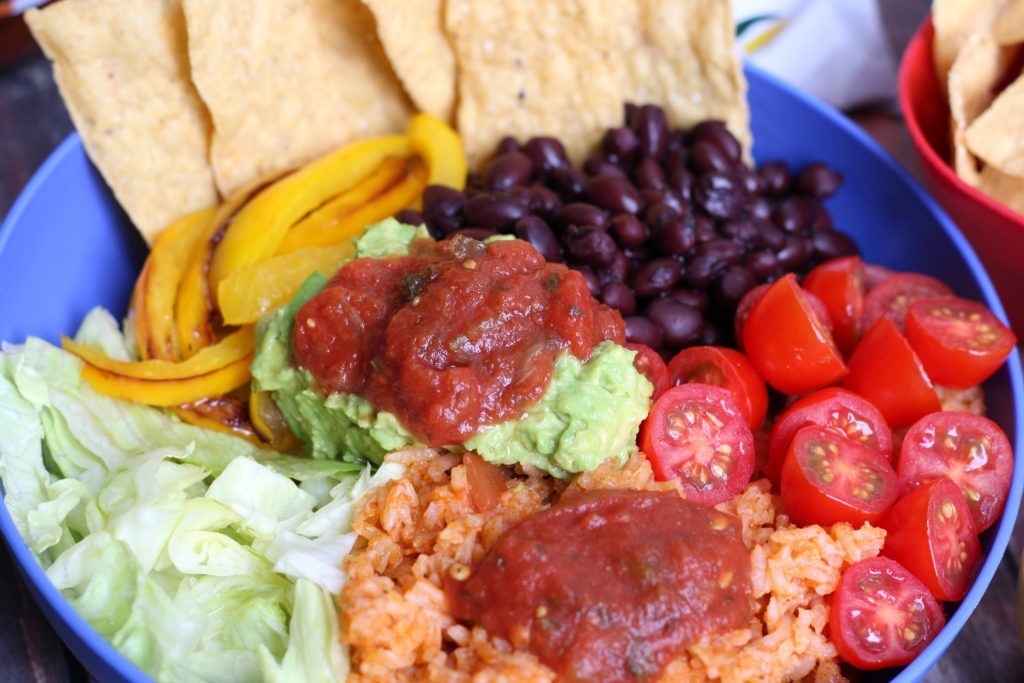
(974, 80)
(122, 70)
(954, 21)
(548, 67)
(995, 136)
(287, 80)
(1003, 187)
(419, 52)
(1009, 25)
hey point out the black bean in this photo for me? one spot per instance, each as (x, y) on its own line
(641, 330)
(769, 236)
(658, 213)
(591, 246)
(704, 229)
(719, 194)
(442, 201)
(712, 335)
(508, 170)
(741, 231)
(590, 277)
(581, 213)
(710, 258)
(675, 235)
(694, 298)
(822, 218)
(628, 230)
(544, 202)
(715, 131)
(818, 180)
(620, 142)
(775, 177)
(651, 129)
(410, 217)
(649, 175)
(619, 269)
(546, 153)
(762, 264)
(619, 296)
(657, 276)
(507, 144)
(760, 207)
(793, 214)
(680, 324)
(732, 285)
(479, 234)
(795, 252)
(569, 183)
(497, 212)
(827, 243)
(706, 156)
(534, 230)
(679, 178)
(749, 178)
(665, 196)
(614, 193)
(598, 164)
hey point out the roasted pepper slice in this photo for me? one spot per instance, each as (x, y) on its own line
(221, 413)
(247, 295)
(257, 230)
(344, 227)
(169, 392)
(440, 147)
(157, 286)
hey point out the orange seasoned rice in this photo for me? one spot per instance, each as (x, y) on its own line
(411, 530)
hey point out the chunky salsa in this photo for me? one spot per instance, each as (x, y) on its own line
(610, 585)
(453, 336)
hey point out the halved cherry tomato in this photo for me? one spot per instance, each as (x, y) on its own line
(930, 532)
(695, 433)
(960, 342)
(882, 615)
(969, 449)
(848, 414)
(839, 283)
(651, 365)
(893, 295)
(827, 478)
(788, 343)
(887, 372)
(485, 481)
(726, 368)
(754, 295)
(875, 273)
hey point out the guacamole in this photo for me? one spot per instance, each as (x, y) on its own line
(588, 411)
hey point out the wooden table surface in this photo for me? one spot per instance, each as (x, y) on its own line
(32, 123)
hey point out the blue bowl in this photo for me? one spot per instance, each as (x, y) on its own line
(66, 247)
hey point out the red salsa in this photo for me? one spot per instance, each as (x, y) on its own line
(610, 585)
(455, 335)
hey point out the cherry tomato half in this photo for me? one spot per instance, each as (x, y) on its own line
(788, 343)
(893, 295)
(726, 368)
(839, 283)
(887, 372)
(960, 342)
(882, 615)
(848, 414)
(930, 532)
(651, 365)
(695, 433)
(969, 449)
(827, 479)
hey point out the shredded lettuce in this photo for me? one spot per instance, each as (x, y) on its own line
(199, 555)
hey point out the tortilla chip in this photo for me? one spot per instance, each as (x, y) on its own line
(1009, 25)
(954, 21)
(288, 80)
(122, 70)
(996, 136)
(974, 79)
(546, 67)
(1003, 187)
(419, 52)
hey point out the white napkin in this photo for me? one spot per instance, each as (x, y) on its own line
(835, 49)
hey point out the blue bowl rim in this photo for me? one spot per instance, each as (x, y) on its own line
(71, 625)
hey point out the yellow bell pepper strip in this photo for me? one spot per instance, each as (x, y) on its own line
(157, 286)
(223, 414)
(170, 392)
(269, 423)
(237, 345)
(193, 308)
(259, 227)
(440, 147)
(247, 295)
(391, 201)
(390, 171)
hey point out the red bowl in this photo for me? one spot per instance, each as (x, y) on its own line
(995, 231)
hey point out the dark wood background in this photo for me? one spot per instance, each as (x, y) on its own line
(33, 121)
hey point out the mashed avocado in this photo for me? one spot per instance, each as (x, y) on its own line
(589, 412)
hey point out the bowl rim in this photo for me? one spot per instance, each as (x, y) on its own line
(921, 43)
(73, 628)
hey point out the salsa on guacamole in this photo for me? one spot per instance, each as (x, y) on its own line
(456, 343)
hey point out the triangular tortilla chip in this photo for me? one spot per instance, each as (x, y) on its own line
(995, 134)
